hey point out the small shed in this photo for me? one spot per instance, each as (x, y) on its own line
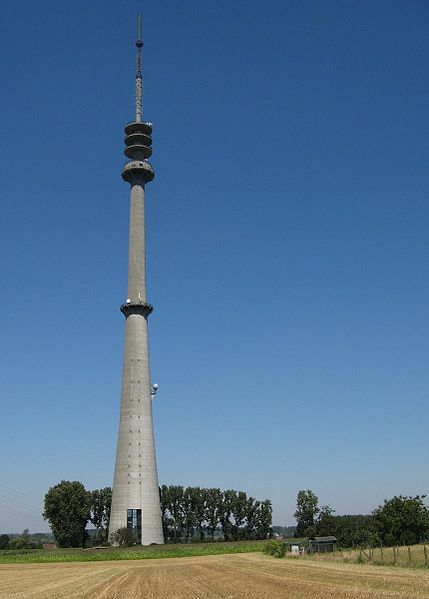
(296, 547)
(322, 544)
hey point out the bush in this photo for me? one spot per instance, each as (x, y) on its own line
(4, 541)
(23, 541)
(124, 537)
(275, 548)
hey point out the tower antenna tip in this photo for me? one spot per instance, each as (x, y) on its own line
(139, 42)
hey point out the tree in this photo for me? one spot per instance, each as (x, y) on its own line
(4, 541)
(212, 503)
(124, 537)
(306, 511)
(325, 524)
(200, 510)
(265, 520)
(401, 520)
(101, 500)
(175, 507)
(350, 530)
(68, 509)
(107, 492)
(225, 513)
(167, 521)
(239, 513)
(252, 518)
(190, 498)
(23, 541)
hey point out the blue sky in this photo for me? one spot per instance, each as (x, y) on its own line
(287, 246)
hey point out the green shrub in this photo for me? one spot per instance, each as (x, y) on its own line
(275, 548)
(269, 547)
(4, 541)
(124, 537)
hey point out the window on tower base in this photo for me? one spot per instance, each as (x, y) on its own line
(134, 523)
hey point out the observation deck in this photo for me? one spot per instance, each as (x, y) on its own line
(135, 171)
(139, 307)
(138, 140)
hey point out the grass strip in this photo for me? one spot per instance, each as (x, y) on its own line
(80, 555)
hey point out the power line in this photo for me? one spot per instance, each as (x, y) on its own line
(22, 515)
(15, 501)
(16, 492)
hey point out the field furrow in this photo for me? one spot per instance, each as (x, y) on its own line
(236, 576)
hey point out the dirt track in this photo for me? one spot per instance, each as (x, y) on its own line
(244, 576)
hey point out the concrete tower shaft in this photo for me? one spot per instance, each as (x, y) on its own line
(135, 498)
(137, 245)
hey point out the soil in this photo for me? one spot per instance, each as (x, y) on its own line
(239, 576)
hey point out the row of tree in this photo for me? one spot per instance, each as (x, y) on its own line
(399, 520)
(187, 513)
(196, 513)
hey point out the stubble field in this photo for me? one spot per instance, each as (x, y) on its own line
(243, 576)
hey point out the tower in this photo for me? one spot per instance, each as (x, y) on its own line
(135, 498)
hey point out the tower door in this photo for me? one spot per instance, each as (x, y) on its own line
(134, 522)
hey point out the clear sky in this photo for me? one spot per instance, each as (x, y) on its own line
(287, 246)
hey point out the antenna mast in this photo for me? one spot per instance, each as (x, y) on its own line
(139, 82)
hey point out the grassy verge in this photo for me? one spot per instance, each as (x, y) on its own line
(152, 552)
(412, 557)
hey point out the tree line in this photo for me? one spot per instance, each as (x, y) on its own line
(205, 514)
(25, 540)
(190, 513)
(400, 520)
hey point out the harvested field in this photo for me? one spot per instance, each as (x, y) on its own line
(244, 576)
